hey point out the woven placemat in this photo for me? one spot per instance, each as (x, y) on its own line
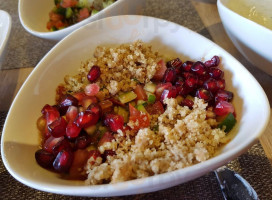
(253, 166)
(24, 49)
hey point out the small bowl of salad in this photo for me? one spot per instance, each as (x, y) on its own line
(108, 113)
(54, 19)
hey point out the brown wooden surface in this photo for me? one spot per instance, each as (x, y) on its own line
(11, 80)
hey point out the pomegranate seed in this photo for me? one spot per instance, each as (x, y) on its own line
(204, 94)
(170, 75)
(65, 102)
(44, 158)
(216, 73)
(187, 66)
(223, 95)
(199, 68)
(187, 102)
(86, 118)
(223, 108)
(61, 145)
(72, 130)
(191, 81)
(95, 108)
(160, 88)
(108, 153)
(202, 79)
(114, 122)
(50, 113)
(82, 141)
(174, 63)
(211, 85)
(71, 113)
(94, 74)
(184, 90)
(57, 128)
(92, 89)
(180, 81)
(169, 93)
(94, 154)
(214, 62)
(187, 74)
(63, 161)
(51, 142)
(221, 84)
(107, 137)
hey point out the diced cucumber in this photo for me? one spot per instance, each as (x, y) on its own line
(94, 12)
(150, 87)
(141, 108)
(53, 28)
(141, 102)
(151, 98)
(123, 112)
(127, 97)
(84, 3)
(107, 3)
(228, 123)
(69, 13)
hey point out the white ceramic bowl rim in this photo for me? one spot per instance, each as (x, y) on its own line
(144, 184)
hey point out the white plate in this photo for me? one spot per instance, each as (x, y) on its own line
(20, 137)
(5, 26)
(34, 16)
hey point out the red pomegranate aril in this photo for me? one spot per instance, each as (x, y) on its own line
(187, 66)
(211, 85)
(58, 127)
(221, 84)
(198, 68)
(61, 145)
(86, 118)
(82, 141)
(94, 74)
(187, 102)
(92, 89)
(191, 81)
(63, 161)
(216, 73)
(223, 108)
(44, 158)
(180, 81)
(170, 75)
(107, 137)
(169, 93)
(51, 142)
(114, 122)
(174, 63)
(95, 108)
(204, 94)
(71, 113)
(184, 90)
(160, 88)
(72, 130)
(65, 102)
(223, 95)
(213, 62)
(50, 113)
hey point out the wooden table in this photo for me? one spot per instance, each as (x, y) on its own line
(11, 80)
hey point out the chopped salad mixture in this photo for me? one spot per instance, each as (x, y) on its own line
(130, 114)
(68, 12)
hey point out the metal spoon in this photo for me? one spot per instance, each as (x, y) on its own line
(234, 186)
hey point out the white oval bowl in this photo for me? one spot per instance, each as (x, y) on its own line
(252, 40)
(34, 16)
(20, 138)
(5, 26)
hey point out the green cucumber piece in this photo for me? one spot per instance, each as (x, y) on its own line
(228, 123)
(141, 108)
(151, 98)
(141, 102)
(150, 87)
(107, 3)
(68, 13)
(94, 12)
(127, 97)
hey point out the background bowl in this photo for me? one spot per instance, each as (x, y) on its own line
(5, 26)
(34, 16)
(20, 138)
(251, 39)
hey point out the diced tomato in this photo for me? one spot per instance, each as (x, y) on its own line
(59, 24)
(49, 25)
(83, 14)
(139, 119)
(141, 95)
(68, 3)
(160, 88)
(79, 96)
(77, 171)
(161, 70)
(156, 108)
(55, 17)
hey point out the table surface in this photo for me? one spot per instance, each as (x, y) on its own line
(12, 79)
